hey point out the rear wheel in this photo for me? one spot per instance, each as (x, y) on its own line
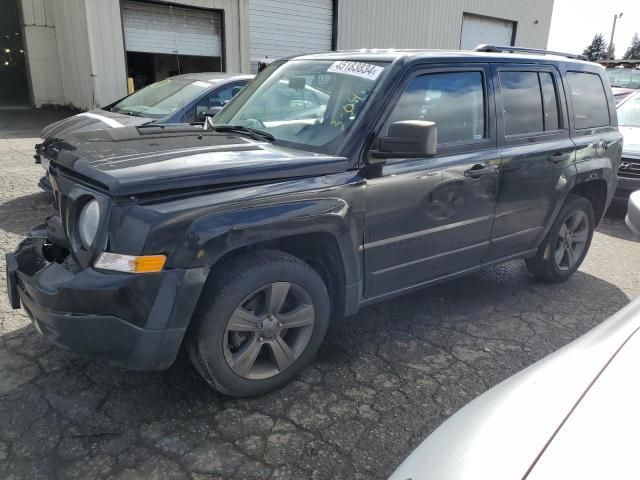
(261, 321)
(565, 246)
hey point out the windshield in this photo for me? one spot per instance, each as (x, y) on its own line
(161, 98)
(629, 112)
(624, 78)
(305, 104)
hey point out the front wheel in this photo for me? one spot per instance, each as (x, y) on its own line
(565, 246)
(261, 320)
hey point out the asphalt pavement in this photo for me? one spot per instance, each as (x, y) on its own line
(383, 380)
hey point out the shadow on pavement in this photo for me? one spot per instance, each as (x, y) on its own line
(19, 215)
(383, 380)
(27, 123)
(613, 225)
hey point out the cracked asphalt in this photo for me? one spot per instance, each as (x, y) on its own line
(383, 380)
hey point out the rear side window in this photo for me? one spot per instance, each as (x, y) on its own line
(590, 107)
(549, 101)
(530, 102)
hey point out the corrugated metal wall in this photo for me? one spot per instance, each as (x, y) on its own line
(434, 23)
(108, 69)
(42, 52)
(236, 30)
(76, 50)
(289, 27)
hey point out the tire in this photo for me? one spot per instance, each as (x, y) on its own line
(235, 323)
(553, 263)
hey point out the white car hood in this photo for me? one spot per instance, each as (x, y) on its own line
(600, 438)
(500, 434)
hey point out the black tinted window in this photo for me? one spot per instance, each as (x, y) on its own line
(549, 101)
(454, 101)
(522, 102)
(590, 108)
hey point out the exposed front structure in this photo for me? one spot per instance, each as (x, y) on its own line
(81, 53)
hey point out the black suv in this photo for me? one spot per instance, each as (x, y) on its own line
(331, 182)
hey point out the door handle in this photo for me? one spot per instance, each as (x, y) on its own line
(481, 170)
(601, 145)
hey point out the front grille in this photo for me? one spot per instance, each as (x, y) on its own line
(629, 168)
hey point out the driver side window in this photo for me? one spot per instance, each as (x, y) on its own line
(454, 101)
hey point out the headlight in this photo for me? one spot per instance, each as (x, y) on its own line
(88, 223)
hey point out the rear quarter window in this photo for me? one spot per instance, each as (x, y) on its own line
(589, 101)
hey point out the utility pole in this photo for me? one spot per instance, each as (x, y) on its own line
(613, 31)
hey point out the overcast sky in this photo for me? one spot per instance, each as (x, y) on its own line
(575, 22)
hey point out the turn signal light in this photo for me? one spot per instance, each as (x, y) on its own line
(130, 263)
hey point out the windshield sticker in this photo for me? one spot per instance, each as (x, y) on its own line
(201, 84)
(357, 69)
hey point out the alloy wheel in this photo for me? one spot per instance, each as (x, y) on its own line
(269, 330)
(572, 240)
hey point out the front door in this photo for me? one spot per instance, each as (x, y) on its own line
(430, 217)
(533, 136)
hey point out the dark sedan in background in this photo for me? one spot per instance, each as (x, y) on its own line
(181, 99)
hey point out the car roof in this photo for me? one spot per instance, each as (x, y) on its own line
(214, 77)
(390, 55)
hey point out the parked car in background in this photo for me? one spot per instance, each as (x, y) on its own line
(629, 125)
(184, 98)
(624, 81)
(330, 182)
(573, 414)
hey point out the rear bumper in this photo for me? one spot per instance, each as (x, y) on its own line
(135, 321)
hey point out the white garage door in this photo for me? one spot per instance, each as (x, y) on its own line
(289, 27)
(477, 29)
(161, 28)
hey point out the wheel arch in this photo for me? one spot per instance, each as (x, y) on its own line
(596, 192)
(321, 232)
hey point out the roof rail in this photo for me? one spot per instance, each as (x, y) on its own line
(500, 48)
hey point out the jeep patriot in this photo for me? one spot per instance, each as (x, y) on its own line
(330, 182)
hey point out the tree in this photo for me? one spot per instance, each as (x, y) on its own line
(597, 50)
(633, 52)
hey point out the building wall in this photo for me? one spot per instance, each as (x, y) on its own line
(74, 52)
(434, 23)
(236, 30)
(75, 48)
(42, 52)
(106, 45)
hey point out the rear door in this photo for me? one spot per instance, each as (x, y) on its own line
(536, 151)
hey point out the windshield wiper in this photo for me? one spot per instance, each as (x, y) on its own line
(259, 135)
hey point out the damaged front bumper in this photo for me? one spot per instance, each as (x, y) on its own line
(137, 321)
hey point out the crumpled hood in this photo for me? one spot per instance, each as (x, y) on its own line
(631, 145)
(128, 161)
(89, 121)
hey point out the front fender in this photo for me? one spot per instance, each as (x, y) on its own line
(211, 237)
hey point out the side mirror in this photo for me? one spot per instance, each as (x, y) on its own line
(408, 138)
(213, 111)
(633, 213)
(297, 83)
